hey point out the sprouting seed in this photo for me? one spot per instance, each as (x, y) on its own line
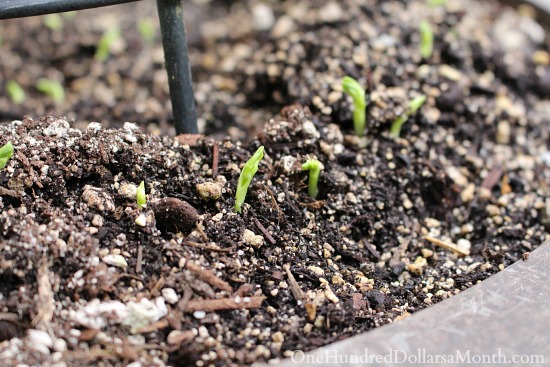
(146, 28)
(5, 154)
(314, 167)
(434, 3)
(69, 15)
(16, 93)
(140, 195)
(52, 88)
(53, 21)
(247, 173)
(357, 93)
(414, 105)
(105, 43)
(426, 40)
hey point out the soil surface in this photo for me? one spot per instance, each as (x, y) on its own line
(88, 278)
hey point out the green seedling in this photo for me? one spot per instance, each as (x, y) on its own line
(53, 21)
(51, 88)
(247, 173)
(426, 40)
(140, 195)
(414, 105)
(434, 3)
(146, 28)
(357, 93)
(16, 93)
(69, 15)
(5, 154)
(314, 167)
(105, 43)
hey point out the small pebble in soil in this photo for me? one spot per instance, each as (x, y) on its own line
(98, 199)
(209, 190)
(252, 239)
(115, 260)
(141, 220)
(418, 266)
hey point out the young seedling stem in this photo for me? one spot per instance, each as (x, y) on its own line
(414, 105)
(105, 43)
(5, 154)
(426, 40)
(314, 167)
(51, 88)
(146, 29)
(247, 173)
(16, 93)
(357, 93)
(140, 195)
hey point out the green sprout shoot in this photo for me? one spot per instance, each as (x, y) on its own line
(426, 40)
(357, 93)
(247, 173)
(70, 15)
(434, 3)
(140, 195)
(105, 43)
(5, 154)
(53, 21)
(51, 88)
(414, 105)
(314, 167)
(16, 93)
(146, 28)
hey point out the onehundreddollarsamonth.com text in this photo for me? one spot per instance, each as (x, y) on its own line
(420, 356)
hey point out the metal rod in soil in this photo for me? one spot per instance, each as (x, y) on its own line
(27, 8)
(176, 57)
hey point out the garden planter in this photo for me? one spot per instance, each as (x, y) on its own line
(502, 321)
(88, 277)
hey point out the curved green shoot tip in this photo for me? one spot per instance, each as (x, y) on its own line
(105, 43)
(414, 105)
(434, 3)
(426, 40)
(53, 21)
(247, 174)
(357, 93)
(16, 93)
(51, 88)
(140, 195)
(5, 154)
(146, 28)
(314, 167)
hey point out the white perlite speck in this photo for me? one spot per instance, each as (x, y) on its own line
(263, 17)
(170, 295)
(115, 260)
(144, 312)
(141, 220)
(39, 340)
(199, 315)
(95, 314)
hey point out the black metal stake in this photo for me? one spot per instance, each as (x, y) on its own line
(176, 57)
(26, 8)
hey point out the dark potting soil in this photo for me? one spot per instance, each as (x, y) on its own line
(87, 278)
